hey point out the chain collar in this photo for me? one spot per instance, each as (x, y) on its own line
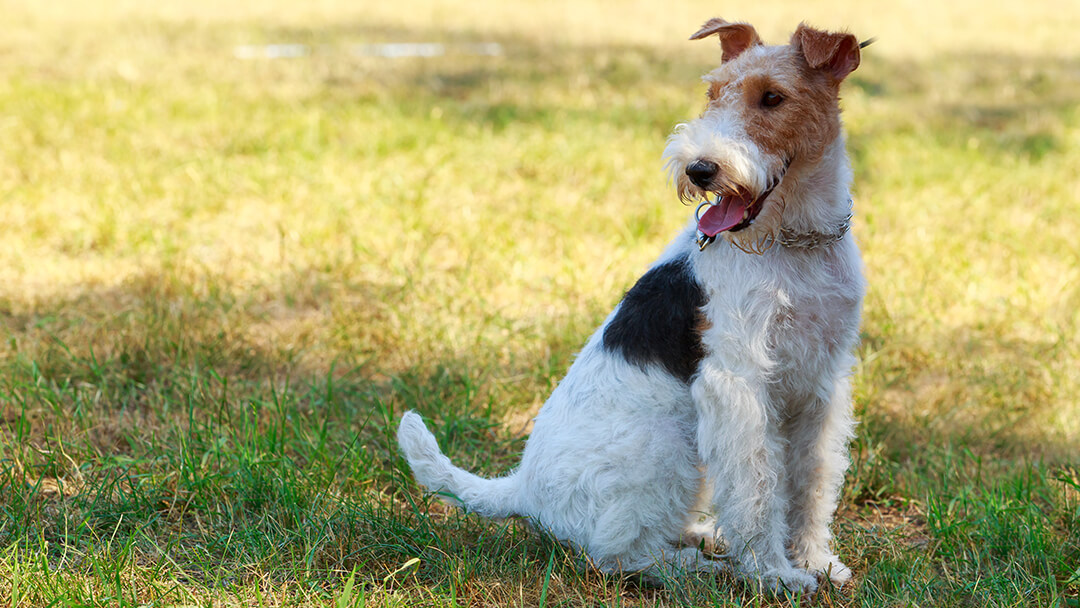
(813, 239)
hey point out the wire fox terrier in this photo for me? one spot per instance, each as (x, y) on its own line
(722, 379)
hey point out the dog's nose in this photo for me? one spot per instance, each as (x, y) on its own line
(701, 172)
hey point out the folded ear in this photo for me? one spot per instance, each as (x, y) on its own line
(837, 53)
(734, 37)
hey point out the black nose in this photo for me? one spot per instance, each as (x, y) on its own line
(701, 172)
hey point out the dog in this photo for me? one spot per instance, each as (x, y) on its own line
(723, 375)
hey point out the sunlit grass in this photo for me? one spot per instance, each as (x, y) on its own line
(222, 279)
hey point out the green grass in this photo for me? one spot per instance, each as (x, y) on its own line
(222, 280)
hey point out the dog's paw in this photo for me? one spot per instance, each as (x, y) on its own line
(703, 535)
(834, 569)
(786, 580)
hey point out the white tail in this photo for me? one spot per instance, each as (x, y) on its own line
(488, 497)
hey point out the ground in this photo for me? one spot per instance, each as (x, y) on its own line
(228, 266)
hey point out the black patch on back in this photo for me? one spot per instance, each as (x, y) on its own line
(658, 319)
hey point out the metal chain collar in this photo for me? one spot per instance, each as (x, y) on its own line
(813, 239)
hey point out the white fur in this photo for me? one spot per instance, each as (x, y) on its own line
(720, 137)
(615, 462)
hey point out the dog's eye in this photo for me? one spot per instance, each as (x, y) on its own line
(769, 99)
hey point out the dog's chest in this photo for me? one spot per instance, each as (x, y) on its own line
(792, 316)
(808, 329)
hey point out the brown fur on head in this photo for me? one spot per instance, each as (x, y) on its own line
(791, 134)
(734, 37)
(807, 73)
(837, 53)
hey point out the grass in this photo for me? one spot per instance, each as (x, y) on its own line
(223, 279)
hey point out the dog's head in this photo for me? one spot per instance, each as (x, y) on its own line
(772, 111)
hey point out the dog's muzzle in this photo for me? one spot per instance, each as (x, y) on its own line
(730, 212)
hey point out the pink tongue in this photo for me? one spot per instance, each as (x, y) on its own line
(722, 216)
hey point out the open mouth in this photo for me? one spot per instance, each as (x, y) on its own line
(732, 212)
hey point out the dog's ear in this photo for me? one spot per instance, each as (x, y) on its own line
(836, 53)
(734, 37)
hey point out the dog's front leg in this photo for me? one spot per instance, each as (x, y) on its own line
(818, 436)
(740, 445)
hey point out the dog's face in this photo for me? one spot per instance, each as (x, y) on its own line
(771, 111)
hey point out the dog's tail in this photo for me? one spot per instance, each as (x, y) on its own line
(487, 497)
